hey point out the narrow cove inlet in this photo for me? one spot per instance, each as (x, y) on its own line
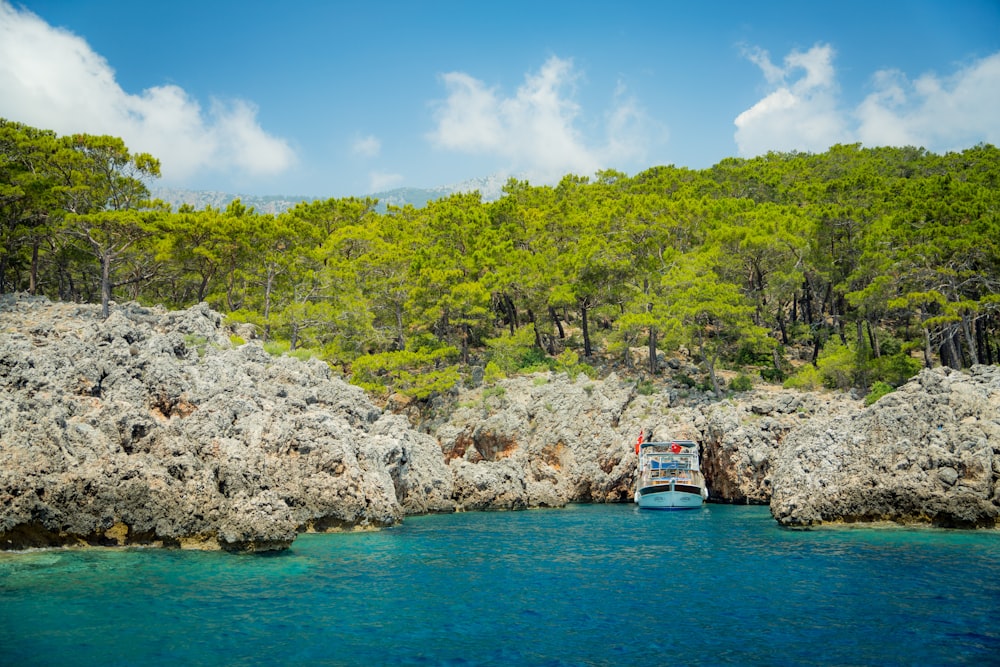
(581, 585)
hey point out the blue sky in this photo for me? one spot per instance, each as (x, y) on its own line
(348, 98)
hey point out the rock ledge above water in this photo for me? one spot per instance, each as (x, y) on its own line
(154, 427)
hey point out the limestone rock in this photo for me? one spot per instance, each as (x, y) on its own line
(541, 441)
(152, 427)
(926, 453)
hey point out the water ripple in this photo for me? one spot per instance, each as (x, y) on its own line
(585, 585)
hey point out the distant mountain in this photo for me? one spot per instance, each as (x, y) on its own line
(490, 187)
(201, 199)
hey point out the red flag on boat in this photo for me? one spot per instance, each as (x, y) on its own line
(675, 448)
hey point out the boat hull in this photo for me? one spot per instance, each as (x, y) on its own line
(668, 475)
(669, 499)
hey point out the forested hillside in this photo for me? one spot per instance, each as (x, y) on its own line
(880, 260)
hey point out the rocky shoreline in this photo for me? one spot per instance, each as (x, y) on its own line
(165, 428)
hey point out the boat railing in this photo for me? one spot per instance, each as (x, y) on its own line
(669, 474)
(658, 476)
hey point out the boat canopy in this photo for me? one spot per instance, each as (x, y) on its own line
(666, 445)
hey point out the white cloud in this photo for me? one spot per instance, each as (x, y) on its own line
(535, 130)
(800, 113)
(368, 146)
(52, 79)
(940, 114)
(629, 130)
(804, 113)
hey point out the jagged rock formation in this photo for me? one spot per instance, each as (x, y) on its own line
(742, 440)
(540, 441)
(163, 428)
(152, 427)
(926, 453)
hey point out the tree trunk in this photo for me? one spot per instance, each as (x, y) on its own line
(873, 340)
(761, 299)
(710, 364)
(861, 365)
(231, 301)
(928, 352)
(586, 330)
(781, 325)
(558, 323)
(203, 287)
(268, 285)
(33, 276)
(807, 304)
(817, 346)
(511, 313)
(986, 352)
(835, 312)
(970, 342)
(400, 331)
(538, 335)
(465, 343)
(105, 284)
(950, 350)
(653, 366)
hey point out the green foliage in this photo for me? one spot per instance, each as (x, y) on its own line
(416, 374)
(773, 374)
(741, 383)
(493, 373)
(568, 362)
(896, 369)
(891, 345)
(684, 379)
(896, 248)
(236, 340)
(807, 378)
(276, 348)
(645, 388)
(750, 355)
(842, 367)
(301, 353)
(878, 390)
(837, 365)
(513, 352)
(534, 360)
(496, 391)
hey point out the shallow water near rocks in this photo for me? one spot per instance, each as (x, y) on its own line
(583, 585)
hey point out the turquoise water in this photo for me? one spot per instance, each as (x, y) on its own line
(585, 585)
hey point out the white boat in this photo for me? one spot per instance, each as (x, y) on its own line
(668, 476)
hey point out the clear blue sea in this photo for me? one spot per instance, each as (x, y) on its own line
(584, 585)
